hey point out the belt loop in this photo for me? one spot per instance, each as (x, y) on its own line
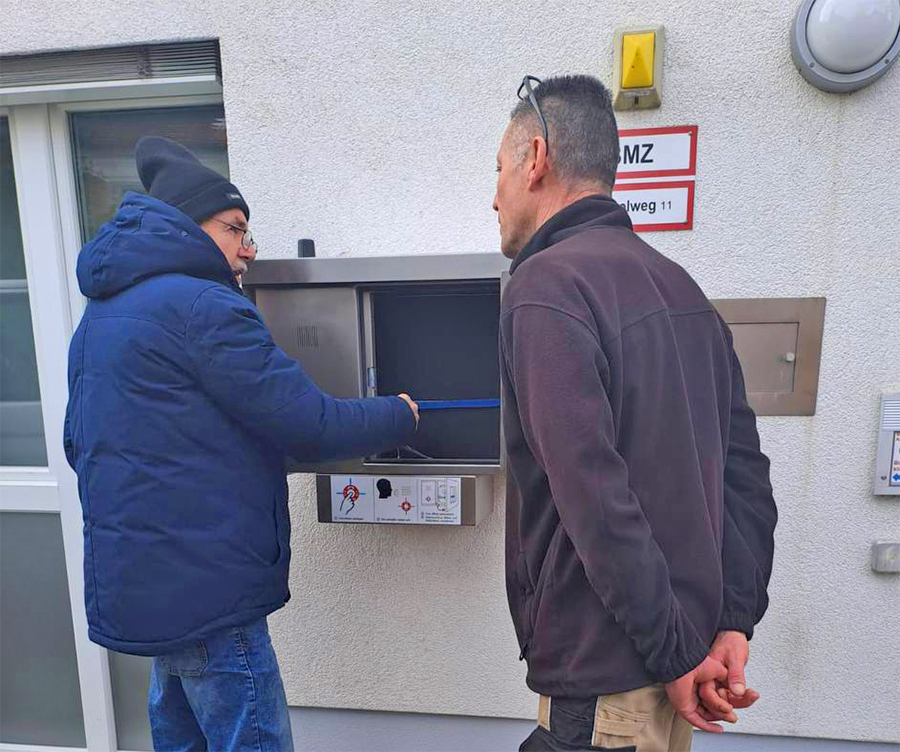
(595, 732)
(544, 712)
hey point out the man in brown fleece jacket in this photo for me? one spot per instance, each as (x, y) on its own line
(640, 516)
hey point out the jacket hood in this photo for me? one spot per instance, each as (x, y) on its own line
(147, 238)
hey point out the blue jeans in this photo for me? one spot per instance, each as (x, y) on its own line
(223, 694)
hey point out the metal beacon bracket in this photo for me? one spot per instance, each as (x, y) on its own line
(426, 325)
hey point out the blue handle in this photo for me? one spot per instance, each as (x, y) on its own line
(479, 404)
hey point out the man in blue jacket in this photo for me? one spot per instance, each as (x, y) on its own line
(639, 510)
(181, 413)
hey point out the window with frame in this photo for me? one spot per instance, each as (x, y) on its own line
(21, 421)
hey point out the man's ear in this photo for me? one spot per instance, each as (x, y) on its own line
(537, 162)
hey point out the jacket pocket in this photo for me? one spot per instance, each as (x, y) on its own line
(545, 580)
(525, 600)
(532, 592)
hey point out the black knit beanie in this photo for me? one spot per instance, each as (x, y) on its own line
(172, 174)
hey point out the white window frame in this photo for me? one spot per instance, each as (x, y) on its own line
(27, 488)
(51, 233)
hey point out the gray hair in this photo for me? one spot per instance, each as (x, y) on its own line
(584, 139)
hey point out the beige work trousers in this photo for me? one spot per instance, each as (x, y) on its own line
(642, 718)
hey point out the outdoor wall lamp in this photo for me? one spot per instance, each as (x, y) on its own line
(844, 45)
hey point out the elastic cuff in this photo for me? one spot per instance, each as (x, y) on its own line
(683, 664)
(407, 417)
(735, 621)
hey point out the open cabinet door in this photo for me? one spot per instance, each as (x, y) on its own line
(438, 342)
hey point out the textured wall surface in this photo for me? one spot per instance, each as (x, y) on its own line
(372, 127)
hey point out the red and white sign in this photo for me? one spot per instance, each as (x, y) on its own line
(657, 206)
(658, 152)
(665, 155)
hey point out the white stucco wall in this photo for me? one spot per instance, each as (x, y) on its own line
(372, 127)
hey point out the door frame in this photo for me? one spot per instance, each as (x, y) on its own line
(51, 234)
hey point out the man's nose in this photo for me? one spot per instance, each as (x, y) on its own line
(496, 208)
(249, 252)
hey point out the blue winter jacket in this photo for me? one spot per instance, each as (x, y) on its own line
(181, 412)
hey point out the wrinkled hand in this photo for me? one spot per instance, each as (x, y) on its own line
(732, 650)
(412, 406)
(684, 696)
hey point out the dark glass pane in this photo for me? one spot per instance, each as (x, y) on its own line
(130, 677)
(40, 698)
(18, 370)
(12, 257)
(21, 422)
(104, 142)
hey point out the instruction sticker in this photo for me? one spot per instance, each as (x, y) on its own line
(396, 499)
(352, 498)
(439, 501)
(895, 460)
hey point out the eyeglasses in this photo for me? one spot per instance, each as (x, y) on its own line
(526, 84)
(246, 239)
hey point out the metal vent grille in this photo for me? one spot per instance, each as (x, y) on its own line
(890, 414)
(111, 64)
(308, 336)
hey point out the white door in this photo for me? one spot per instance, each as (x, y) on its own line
(63, 171)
